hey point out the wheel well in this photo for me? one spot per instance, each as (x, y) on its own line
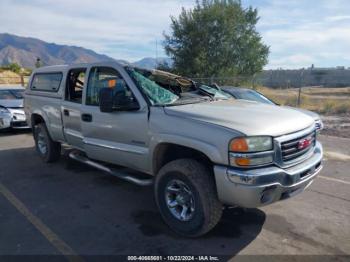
(167, 152)
(37, 119)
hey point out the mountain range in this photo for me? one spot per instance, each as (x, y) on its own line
(26, 50)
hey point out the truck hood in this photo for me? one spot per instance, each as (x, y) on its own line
(11, 103)
(314, 115)
(247, 117)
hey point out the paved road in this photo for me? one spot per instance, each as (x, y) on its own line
(69, 208)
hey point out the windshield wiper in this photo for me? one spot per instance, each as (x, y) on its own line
(215, 94)
(188, 101)
(205, 92)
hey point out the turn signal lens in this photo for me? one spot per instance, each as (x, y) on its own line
(242, 161)
(250, 160)
(239, 145)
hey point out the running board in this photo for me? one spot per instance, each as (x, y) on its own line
(76, 155)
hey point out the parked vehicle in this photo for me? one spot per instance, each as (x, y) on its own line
(253, 95)
(11, 108)
(200, 148)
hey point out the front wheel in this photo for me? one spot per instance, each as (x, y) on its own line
(186, 197)
(48, 149)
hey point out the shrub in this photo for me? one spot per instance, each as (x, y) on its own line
(14, 67)
(342, 108)
(328, 107)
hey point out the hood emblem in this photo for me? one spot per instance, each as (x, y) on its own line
(304, 143)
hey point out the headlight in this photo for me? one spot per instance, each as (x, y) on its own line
(251, 144)
(251, 151)
(4, 110)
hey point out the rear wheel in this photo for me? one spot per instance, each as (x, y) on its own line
(48, 149)
(186, 196)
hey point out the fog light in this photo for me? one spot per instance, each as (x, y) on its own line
(268, 195)
(241, 179)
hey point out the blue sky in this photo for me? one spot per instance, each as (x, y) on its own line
(299, 32)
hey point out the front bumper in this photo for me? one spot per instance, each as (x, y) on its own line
(262, 186)
(15, 119)
(5, 120)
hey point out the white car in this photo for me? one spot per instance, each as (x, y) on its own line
(11, 108)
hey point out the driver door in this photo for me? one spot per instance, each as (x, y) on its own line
(71, 107)
(118, 137)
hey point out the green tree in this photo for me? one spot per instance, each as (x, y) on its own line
(164, 66)
(14, 67)
(216, 38)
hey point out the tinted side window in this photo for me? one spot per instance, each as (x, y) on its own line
(101, 77)
(49, 82)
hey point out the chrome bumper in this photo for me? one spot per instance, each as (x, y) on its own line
(262, 186)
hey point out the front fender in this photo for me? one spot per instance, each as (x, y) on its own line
(210, 150)
(44, 117)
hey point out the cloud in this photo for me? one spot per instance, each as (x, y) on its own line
(292, 61)
(299, 32)
(131, 26)
(338, 18)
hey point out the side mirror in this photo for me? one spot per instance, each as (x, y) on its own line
(109, 101)
(106, 99)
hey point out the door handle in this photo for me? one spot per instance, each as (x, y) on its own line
(86, 117)
(66, 112)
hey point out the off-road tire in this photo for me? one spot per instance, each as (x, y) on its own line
(53, 151)
(199, 179)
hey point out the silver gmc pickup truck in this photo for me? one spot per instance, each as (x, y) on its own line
(201, 149)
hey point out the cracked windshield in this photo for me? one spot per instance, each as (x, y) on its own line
(166, 89)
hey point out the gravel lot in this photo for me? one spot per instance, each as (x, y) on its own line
(338, 125)
(89, 213)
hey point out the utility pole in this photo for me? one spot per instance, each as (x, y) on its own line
(38, 62)
(301, 83)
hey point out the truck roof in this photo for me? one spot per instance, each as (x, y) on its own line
(54, 68)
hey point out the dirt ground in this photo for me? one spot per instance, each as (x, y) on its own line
(337, 125)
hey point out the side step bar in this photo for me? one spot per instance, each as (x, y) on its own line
(76, 155)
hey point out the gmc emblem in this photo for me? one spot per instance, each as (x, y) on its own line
(304, 143)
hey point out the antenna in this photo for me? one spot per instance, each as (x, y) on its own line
(157, 51)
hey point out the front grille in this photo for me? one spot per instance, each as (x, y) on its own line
(19, 124)
(295, 148)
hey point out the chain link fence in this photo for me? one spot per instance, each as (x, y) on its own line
(330, 96)
(318, 94)
(284, 79)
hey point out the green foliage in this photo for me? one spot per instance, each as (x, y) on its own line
(165, 67)
(14, 67)
(334, 107)
(216, 38)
